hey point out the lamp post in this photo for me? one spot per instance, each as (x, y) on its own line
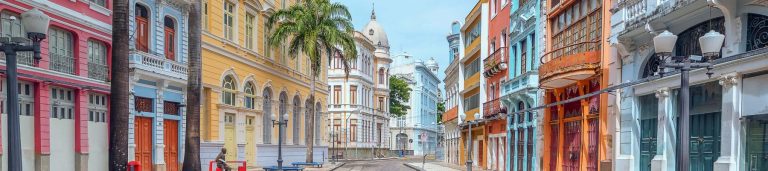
(711, 44)
(469, 138)
(280, 123)
(35, 23)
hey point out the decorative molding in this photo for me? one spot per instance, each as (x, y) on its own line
(662, 93)
(730, 79)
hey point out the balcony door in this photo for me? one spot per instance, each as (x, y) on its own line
(170, 41)
(142, 28)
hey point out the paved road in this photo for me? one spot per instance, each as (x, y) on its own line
(376, 165)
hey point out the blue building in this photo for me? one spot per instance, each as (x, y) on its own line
(158, 57)
(417, 131)
(521, 91)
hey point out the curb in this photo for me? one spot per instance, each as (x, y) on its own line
(342, 164)
(413, 167)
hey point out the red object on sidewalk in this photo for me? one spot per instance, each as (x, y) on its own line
(211, 166)
(135, 165)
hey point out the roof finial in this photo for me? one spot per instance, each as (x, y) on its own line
(373, 11)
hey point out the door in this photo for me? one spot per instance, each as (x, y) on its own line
(480, 154)
(572, 146)
(704, 141)
(250, 140)
(757, 145)
(170, 44)
(229, 136)
(171, 138)
(648, 129)
(142, 34)
(143, 140)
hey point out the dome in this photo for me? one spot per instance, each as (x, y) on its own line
(374, 32)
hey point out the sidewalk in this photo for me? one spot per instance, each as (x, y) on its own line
(440, 166)
(326, 167)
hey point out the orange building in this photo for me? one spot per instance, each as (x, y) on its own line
(576, 63)
(495, 73)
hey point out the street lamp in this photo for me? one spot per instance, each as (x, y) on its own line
(280, 123)
(35, 23)
(469, 138)
(711, 44)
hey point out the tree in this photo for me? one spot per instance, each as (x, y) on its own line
(440, 111)
(119, 95)
(314, 27)
(399, 94)
(194, 86)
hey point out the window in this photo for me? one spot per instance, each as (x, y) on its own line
(229, 90)
(473, 34)
(472, 69)
(757, 25)
(170, 40)
(250, 96)
(267, 116)
(143, 104)
(337, 95)
(97, 60)
(142, 28)
(13, 28)
(229, 21)
(382, 107)
(523, 55)
(249, 36)
(62, 103)
(353, 95)
(60, 45)
(26, 98)
(353, 130)
(267, 51)
(579, 23)
(171, 108)
(102, 3)
(205, 15)
(97, 108)
(472, 102)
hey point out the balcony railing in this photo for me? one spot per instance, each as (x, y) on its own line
(97, 71)
(23, 58)
(451, 114)
(62, 63)
(495, 63)
(157, 64)
(493, 107)
(634, 8)
(570, 63)
(528, 79)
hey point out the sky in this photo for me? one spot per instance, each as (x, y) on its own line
(418, 27)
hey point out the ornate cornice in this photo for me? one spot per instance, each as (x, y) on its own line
(730, 79)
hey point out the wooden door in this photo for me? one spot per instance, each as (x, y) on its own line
(170, 44)
(480, 154)
(229, 136)
(572, 146)
(142, 34)
(757, 145)
(143, 139)
(704, 141)
(250, 140)
(648, 138)
(171, 137)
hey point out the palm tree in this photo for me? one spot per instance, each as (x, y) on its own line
(192, 137)
(119, 95)
(315, 28)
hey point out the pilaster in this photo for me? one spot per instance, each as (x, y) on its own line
(42, 125)
(159, 130)
(731, 125)
(81, 130)
(666, 137)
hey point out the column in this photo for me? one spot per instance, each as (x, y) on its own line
(42, 126)
(731, 125)
(666, 136)
(81, 130)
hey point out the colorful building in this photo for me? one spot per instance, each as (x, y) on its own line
(727, 108)
(416, 132)
(475, 41)
(494, 73)
(453, 82)
(520, 91)
(158, 60)
(63, 99)
(359, 104)
(576, 63)
(247, 84)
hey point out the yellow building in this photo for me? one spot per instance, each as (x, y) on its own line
(475, 40)
(246, 84)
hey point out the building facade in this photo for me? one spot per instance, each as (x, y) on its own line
(474, 40)
(158, 60)
(63, 99)
(416, 131)
(247, 84)
(575, 64)
(494, 73)
(727, 112)
(453, 82)
(359, 104)
(520, 91)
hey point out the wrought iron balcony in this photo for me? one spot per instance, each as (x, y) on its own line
(23, 58)
(155, 63)
(98, 71)
(495, 63)
(62, 63)
(493, 107)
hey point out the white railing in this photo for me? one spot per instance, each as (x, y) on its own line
(158, 64)
(634, 9)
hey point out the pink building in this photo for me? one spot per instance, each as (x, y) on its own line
(63, 99)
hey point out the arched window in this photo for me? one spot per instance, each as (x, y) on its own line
(250, 96)
(521, 107)
(267, 116)
(142, 28)
(382, 76)
(170, 40)
(296, 119)
(688, 40)
(229, 91)
(283, 103)
(757, 29)
(651, 67)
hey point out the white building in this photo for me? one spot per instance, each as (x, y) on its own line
(358, 104)
(416, 132)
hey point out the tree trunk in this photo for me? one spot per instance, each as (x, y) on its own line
(311, 124)
(119, 95)
(192, 138)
